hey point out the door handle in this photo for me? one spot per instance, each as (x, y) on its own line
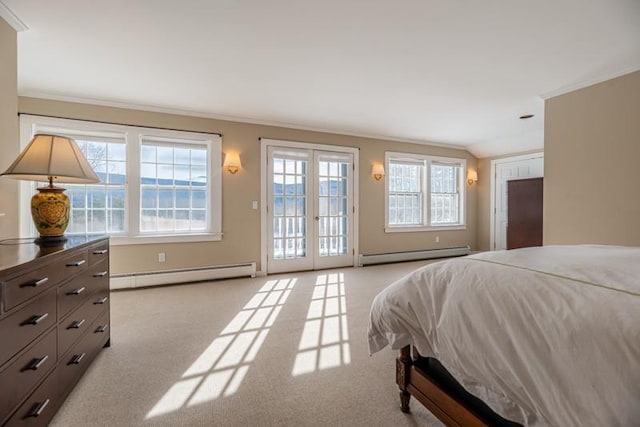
(317, 218)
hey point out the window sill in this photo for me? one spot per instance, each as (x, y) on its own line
(424, 228)
(168, 238)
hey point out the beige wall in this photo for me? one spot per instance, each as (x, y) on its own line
(9, 143)
(241, 224)
(484, 203)
(592, 147)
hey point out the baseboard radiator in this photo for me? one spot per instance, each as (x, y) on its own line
(170, 277)
(412, 255)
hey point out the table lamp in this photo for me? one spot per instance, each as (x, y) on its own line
(51, 158)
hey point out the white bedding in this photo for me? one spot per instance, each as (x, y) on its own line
(545, 336)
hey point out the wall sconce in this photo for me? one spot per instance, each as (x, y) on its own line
(472, 176)
(377, 171)
(51, 158)
(232, 162)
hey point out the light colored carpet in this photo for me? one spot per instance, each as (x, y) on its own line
(245, 352)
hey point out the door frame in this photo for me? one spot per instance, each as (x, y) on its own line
(492, 197)
(264, 144)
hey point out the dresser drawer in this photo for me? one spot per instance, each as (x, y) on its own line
(73, 364)
(25, 372)
(20, 288)
(98, 276)
(72, 295)
(75, 325)
(98, 253)
(76, 291)
(40, 407)
(23, 326)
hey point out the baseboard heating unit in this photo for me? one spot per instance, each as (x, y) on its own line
(170, 277)
(412, 255)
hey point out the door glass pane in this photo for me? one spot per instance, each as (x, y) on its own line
(289, 213)
(333, 208)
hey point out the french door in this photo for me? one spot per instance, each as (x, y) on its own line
(310, 209)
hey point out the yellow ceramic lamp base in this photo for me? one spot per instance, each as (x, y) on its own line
(50, 211)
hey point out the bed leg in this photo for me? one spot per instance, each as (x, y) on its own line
(404, 401)
(403, 366)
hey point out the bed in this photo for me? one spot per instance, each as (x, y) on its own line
(546, 336)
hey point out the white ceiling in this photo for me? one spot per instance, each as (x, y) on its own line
(454, 72)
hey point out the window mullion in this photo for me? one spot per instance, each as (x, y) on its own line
(426, 193)
(133, 183)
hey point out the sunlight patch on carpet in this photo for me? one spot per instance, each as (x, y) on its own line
(324, 342)
(222, 366)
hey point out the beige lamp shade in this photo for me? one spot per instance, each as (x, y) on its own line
(472, 176)
(377, 171)
(52, 158)
(231, 162)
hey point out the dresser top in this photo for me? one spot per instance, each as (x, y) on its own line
(14, 252)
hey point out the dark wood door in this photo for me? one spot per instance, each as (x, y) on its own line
(524, 213)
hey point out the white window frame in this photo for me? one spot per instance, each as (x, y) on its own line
(426, 193)
(132, 136)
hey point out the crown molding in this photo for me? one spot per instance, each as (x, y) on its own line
(236, 119)
(11, 18)
(589, 82)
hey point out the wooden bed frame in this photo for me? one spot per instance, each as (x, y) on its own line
(429, 382)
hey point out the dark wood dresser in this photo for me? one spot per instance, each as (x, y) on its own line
(54, 320)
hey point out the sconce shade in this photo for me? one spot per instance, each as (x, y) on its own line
(51, 158)
(472, 176)
(232, 162)
(377, 171)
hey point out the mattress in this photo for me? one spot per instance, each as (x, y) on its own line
(546, 336)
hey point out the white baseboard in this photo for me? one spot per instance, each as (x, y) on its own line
(412, 255)
(168, 277)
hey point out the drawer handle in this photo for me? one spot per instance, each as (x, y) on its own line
(35, 319)
(76, 324)
(35, 283)
(37, 410)
(76, 263)
(76, 291)
(101, 300)
(36, 363)
(101, 252)
(101, 329)
(100, 274)
(77, 359)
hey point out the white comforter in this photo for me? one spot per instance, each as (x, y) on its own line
(545, 336)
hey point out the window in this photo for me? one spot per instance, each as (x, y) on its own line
(445, 193)
(405, 192)
(155, 185)
(173, 187)
(424, 192)
(99, 208)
